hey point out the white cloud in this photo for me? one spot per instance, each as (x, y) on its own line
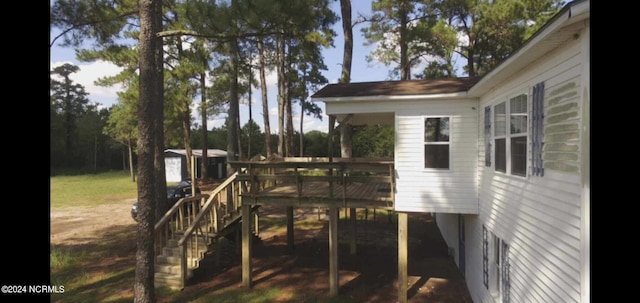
(89, 73)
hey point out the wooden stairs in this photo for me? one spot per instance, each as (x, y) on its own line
(188, 232)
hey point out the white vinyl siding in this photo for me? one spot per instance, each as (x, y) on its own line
(452, 190)
(538, 217)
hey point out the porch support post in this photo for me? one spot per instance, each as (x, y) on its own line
(333, 251)
(246, 246)
(403, 240)
(290, 228)
(332, 124)
(354, 221)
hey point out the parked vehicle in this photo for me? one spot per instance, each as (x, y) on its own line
(174, 193)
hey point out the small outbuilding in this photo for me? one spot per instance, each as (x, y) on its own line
(175, 161)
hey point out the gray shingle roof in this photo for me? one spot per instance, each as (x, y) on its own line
(396, 88)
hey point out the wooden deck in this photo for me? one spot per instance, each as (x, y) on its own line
(352, 184)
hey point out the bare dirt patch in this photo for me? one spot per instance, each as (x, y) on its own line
(81, 225)
(301, 274)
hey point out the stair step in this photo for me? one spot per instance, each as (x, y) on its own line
(172, 269)
(201, 239)
(169, 280)
(174, 260)
(177, 251)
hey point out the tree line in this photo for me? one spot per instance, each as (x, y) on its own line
(179, 54)
(87, 138)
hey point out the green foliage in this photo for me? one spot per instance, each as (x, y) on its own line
(373, 141)
(77, 141)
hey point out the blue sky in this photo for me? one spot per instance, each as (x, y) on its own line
(361, 71)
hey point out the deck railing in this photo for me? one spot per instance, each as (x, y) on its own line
(337, 174)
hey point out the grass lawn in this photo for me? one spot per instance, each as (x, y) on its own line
(91, 190)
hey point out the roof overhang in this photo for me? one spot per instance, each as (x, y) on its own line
(381, 98)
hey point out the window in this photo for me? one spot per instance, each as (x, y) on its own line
(496, 266)
(436, 142)
(500, 136)
(495, 272)
(511, 145)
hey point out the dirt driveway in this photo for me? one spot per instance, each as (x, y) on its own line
(368, 276)
(81, 225)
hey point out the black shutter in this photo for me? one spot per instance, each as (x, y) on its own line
(506, 280)
(537, 129)
(487, 136)
(485, 256)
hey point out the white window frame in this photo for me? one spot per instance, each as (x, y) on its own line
(424, 142)
(508, 136)
(495, 267)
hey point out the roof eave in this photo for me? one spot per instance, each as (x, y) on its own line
(456, 95)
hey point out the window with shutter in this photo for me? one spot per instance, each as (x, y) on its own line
(537, 129)
(487, 136)
(510, 132)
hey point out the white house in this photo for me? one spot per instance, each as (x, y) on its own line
(502, 160)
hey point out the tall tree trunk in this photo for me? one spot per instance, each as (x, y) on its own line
(405, 68)
(470, 62)
(160, 179)
(281, 93)
(130, 147)
(289, 108)
(204, 173)
(186, 141)
(345, 127)
(144, 290)
(265, 103)
(301, 145)
(239, 126)
(290, 148)
(250, 113)
(232, 116)
(347, 28)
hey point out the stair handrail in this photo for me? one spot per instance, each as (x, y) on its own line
(206, 207)
(213, 206)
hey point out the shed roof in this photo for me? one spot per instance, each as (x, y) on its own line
(397, 88)
(212, 153)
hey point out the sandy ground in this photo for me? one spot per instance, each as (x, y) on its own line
(81, 225)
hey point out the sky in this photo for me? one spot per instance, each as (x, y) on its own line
(361, 71)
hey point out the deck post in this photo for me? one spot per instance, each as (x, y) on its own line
(290, 246)
(246, 246)
(403, 240)
(354, 221)
(333, 251)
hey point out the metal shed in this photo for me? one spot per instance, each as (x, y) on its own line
(175, 161)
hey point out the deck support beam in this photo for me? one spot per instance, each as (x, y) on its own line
(403, 241)
(333, 251)
(290, 239)
(354, 221)
(246, 246)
